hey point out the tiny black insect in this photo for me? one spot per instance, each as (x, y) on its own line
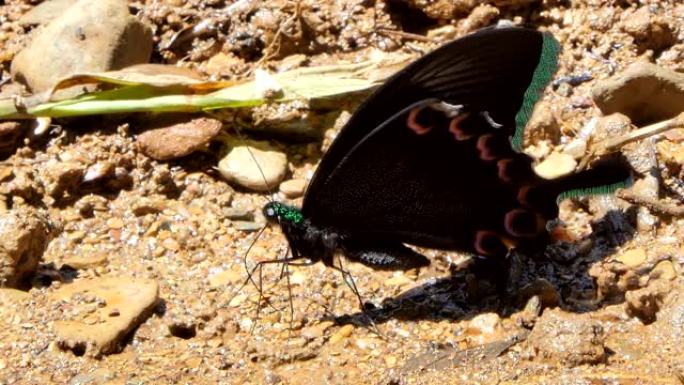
(433, 159)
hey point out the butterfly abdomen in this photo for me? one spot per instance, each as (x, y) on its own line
(605, 176)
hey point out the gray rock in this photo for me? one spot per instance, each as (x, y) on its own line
(90, 36)
(24, 235)
(645, 92)
(253, 168)
(573, 339)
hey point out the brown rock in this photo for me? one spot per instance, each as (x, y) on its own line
(646, 302)
(10, 133)
(649, 31)
(90, 36)
(101, 312)
(178, 138)
(62, 177)
(668, 330)
(24, 235)
(443, 9)
(573, 339)
(543, 125)
(293, 188)
(645, 92)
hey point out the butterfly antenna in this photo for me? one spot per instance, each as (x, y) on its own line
(256, 162)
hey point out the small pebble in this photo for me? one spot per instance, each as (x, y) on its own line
(115, 223)
(293, 188)
(343, 333)
(633, 257)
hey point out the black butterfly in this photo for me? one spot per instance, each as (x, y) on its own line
(433, 159)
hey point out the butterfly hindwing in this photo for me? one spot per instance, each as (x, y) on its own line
(418, 179)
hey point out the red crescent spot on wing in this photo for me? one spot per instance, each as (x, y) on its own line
(513, 215)
(483, 237)
(413, 124)
(454, 128)
(484, 148)
(522, 195)
(502, 165)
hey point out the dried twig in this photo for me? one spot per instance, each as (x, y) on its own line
(403, 35)
(614, 144)
(657, 205)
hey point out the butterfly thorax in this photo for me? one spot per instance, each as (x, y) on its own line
(306, 240)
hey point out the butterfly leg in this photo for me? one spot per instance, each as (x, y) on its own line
(501, 273)
(383, 256)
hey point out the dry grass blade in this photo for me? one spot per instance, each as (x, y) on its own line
(614, 144)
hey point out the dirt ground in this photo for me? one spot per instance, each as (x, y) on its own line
(605, 308)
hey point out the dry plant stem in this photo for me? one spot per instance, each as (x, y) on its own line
(614, 144)
(404, 35)
(653, 204)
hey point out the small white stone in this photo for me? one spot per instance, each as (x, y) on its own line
(555, 166)
(261, 170)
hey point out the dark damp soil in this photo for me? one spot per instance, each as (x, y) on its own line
(606, 308)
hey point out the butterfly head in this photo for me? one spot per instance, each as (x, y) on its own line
(280, 213)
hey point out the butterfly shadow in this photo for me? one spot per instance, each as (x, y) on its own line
(560, 276)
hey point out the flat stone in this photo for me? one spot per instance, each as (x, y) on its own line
(262, 170)
(178, 138)
(236, 213)
(645, 92)
(247, 226)
(89, 36)
(121, 305)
